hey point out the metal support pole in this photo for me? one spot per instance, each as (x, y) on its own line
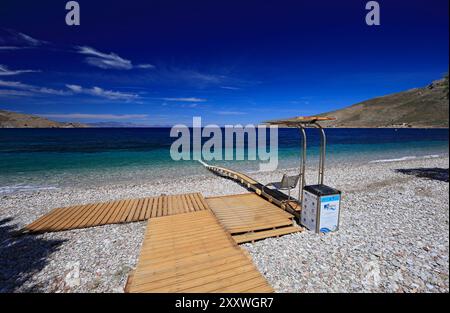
(302, 182)
(323, 144)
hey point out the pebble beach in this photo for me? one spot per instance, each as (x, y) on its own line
(393, 237)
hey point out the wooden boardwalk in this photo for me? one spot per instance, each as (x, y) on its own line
(192, 252)
(274, 196)
(248, 217)
(114, 212)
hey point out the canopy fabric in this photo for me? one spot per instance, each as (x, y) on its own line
(299, 120)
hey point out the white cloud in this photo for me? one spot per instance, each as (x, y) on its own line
(10, 48)
(4, 71)
(230, 112)
(145, 66)
(15, 88)
(15, 93)
(230, 88)
(30, 40)
(189, 77)
(51, 91)
(100, 92)
(104, 60)
(75, 88)
(108, 60)
(14, 40)
(191, 99)
(98, 116)
(7, 83)
(21, 89)
(207, 78)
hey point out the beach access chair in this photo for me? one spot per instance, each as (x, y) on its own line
(287, 183)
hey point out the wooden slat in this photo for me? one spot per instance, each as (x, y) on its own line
(189, 203)
(145, 213)
(196, 264)
(124, 210)
(169, 265)
(154, 207)
(40, 223)
(132, 208)
(103, 213)
(137, 213)
(115, 217)
(194, 256)
(194, 202)
(259, 289)
(184, 204)
(258, 227)
(43, 219)
(121, 211)
(108, 216)
(69, 214)
(247, 214)
(92, 216)
(159, 211)
(242, 285)
(250, 237)
(76, 223)
(68, 222)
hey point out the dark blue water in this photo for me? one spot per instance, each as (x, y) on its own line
(55, 157)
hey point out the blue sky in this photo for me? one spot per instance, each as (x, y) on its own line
(162, 62)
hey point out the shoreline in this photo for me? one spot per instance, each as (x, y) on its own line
(396, 223)
(74, 126)
(116, 177)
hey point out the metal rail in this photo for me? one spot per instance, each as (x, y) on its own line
(303, 148)
(323, 144)
(322, 156)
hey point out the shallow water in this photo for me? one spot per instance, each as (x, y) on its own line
(51, 158)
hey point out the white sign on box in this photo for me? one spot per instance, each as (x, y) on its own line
(320, 213)
(329, 213)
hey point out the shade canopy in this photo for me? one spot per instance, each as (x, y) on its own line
(300, 121)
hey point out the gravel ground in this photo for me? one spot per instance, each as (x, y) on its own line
(393, 237)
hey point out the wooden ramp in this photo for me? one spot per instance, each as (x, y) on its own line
(121, 211)
(192, 253)
(248, 217)
(274, 196)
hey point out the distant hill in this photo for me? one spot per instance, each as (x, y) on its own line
(18, 120)
(116, 125)
(418, 107)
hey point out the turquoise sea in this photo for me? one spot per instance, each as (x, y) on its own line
(33, 159)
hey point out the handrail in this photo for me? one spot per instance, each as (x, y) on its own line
(323, 143)
(303, 148)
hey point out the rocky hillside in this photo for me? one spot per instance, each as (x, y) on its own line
(17, 120)
(418, 107)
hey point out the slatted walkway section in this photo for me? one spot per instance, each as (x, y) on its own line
(248, 217)
(114, 212)
(274, 196)
(192, 253)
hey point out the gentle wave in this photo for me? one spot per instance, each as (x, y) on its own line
(406, 158)
(23, 188)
